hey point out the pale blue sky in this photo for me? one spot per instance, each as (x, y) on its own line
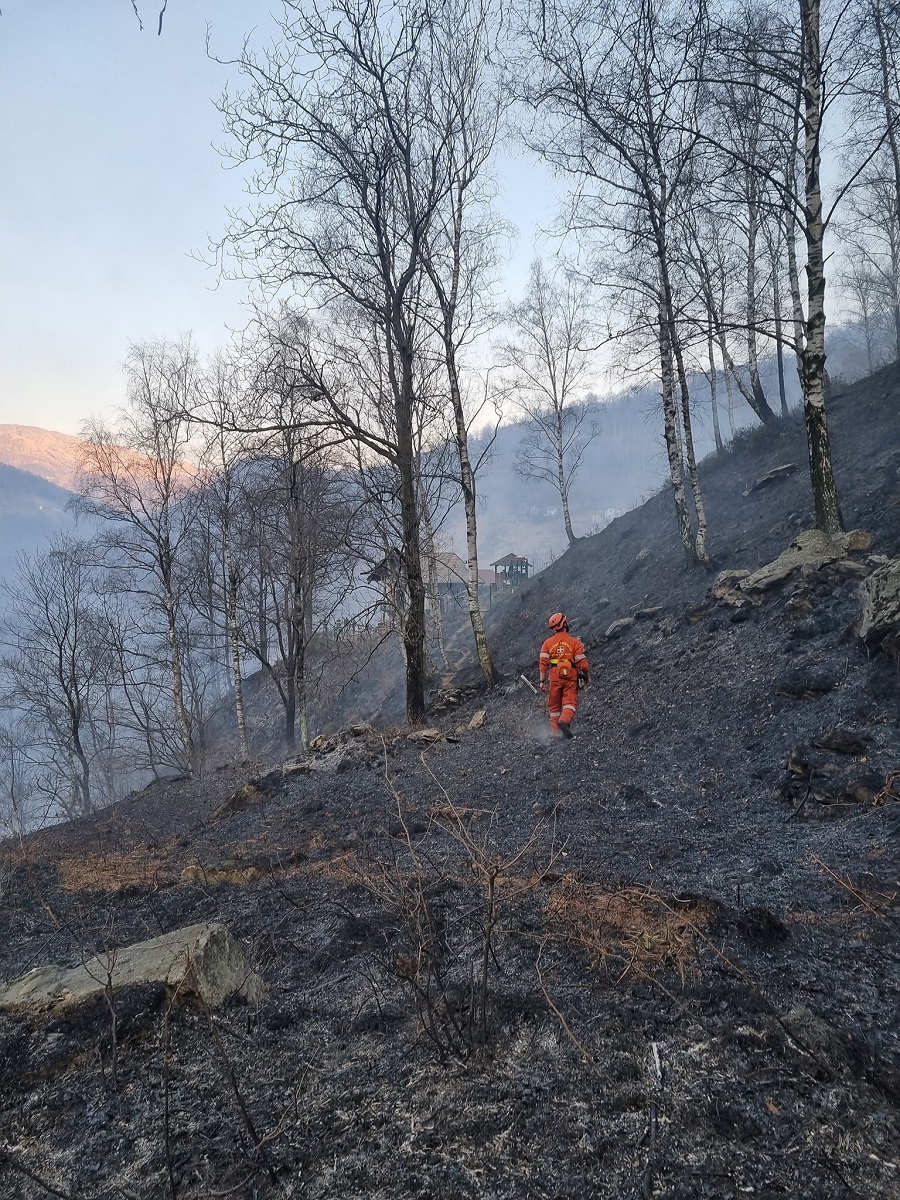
(110, 180)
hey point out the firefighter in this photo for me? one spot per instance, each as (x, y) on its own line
(562, 666)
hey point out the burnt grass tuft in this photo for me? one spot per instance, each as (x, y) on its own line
(658, 961)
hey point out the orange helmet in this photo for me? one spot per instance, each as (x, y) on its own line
(558, 622)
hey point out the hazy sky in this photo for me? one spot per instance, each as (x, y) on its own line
(110, 181)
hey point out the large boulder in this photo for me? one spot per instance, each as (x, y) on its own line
(198, 963)
(812, 548)
(880, 596)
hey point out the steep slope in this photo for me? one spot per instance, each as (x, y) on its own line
(637, 562)
(690, 987)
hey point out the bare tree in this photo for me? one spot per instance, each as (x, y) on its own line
(349, 178)
(223, 405)
(59, 668)
(459, 250)
(798, 67)
(137, 479)
(621, 104)
(548, 359)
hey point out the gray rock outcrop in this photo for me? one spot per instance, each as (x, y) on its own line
(812, 548)
(199, 962)
(880, 596)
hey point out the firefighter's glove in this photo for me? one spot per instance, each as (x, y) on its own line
(543, 685)
(583, 680)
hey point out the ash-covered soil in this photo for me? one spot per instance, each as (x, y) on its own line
(658, 961)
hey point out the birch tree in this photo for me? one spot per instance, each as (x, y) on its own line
(348, 178)
(223, 403)
(621, 104)
(137, 479)
(548, 362)
(797, 65)
(459, 251)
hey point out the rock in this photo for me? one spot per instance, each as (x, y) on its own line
(296, 766)
(363, 728)
(618, 627)
(640, 560)
(228, 870)
(848, 569)
(855, 540)
(776, 473)
(320, 743)
(199, 961)
(725, 590)
(812, 548)
(841, 741)
(253, 793)
(723, 584)
(806, 684)
(647, 614)
(478, 719)
(880, 596)
(424, 735)
(742, 614)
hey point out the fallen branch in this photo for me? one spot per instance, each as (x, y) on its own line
(854, 892)
(586, 1054)
(8, 1159)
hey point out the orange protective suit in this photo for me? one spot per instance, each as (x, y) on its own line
(561, 661)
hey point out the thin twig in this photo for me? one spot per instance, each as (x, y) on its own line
(8, 1159)
(848, 887)
(166, 1127)
(588, 1057)
(232, 1077)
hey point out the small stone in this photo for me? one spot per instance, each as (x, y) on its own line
(478, 719)
(425, 735)
(296, 766)
(618, 627)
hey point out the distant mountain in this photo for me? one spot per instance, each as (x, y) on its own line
(31, 510)
(52, 456)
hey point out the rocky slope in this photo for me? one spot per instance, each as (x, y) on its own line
(658, 961)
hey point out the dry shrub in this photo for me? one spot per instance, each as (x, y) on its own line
(7, 870)
(891, 789)
(115, 870)
(625, 930)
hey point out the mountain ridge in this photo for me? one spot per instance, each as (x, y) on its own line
(46, 453)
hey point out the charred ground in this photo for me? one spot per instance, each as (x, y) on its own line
(692, 974)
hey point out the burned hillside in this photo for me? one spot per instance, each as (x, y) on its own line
(658, 961)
